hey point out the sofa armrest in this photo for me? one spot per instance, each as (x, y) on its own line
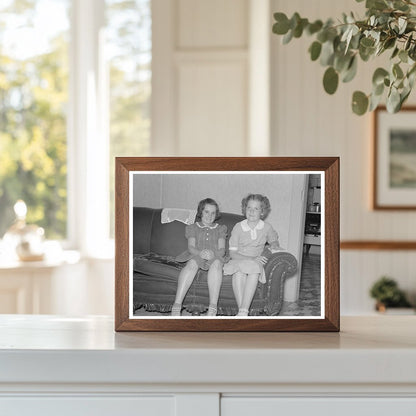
(278, 267)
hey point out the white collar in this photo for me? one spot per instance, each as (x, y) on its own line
(253, 231)
(207, 226)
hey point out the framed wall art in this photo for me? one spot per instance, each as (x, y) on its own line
(227, 244)
(394, 179)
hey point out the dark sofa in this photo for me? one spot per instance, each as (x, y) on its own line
(155, 271)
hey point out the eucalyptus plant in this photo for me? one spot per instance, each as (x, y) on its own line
(389, 27)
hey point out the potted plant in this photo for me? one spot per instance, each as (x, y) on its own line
(387, 294)
(389, 27)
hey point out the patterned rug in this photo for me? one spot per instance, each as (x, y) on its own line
(309, 302)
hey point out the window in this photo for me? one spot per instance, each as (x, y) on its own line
(33, 97)
(75, 87)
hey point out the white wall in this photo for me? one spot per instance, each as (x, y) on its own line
(186, 190)
(203, 85)
(308, 122)
(205, 73)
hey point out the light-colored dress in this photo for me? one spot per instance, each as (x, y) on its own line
(249, 242)
(206, 237)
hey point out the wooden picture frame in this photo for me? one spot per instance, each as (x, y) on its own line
(394, 159)
(134, 227)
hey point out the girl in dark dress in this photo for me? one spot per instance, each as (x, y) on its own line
(206, 250)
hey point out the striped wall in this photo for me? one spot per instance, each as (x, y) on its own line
(216, 86)
(308, 122)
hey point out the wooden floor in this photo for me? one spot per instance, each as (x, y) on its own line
(309, 302)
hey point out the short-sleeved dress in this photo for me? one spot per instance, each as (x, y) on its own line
(206, 237)
(249, 242)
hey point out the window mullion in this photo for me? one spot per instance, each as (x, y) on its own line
(88, 137)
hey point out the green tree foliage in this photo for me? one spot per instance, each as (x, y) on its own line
(33, 97)
(389, 27)
(33, 107)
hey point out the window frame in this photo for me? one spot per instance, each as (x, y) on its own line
(87, 133)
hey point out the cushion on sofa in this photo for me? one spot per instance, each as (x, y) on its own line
(156, 265)
(142, 229)
(150, 235)
(167, 239)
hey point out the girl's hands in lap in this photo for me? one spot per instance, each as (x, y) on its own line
(206, 254)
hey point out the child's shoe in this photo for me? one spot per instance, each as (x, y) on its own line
(212, 310)
(176, 309)
(242, 312)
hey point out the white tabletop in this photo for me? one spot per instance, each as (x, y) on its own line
(373, 349)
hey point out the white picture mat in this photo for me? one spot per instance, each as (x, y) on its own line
(131, 204)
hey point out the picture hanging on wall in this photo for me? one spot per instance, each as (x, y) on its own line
(394, 178)
(227, 244)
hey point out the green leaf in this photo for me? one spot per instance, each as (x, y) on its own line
(395, 53)
(294, 20)
(367, 42)
(341, 61)
(322, 36)
(374, 102)
(400, 5)
(404, 95)
(389, 43)
(281, 26)
(348, 34)
(355, 41)
(332, 33)
(315, 50)
(359, 103)
(412, 70)
(298, 30)
(379, 75)
(412, 79)
(366, 53)
(408, 42)
(393, 101)
(397, 71)
(402, 25)
(330, 80)
(314, 27)
(327, 53)
(351, 71)
(378, 89)
(403, 56)
(411, 76)
(288, 37)
(376, 4)
(412, 52)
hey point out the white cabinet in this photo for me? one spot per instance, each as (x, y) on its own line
(88, 406)
(323, 406)
(79, 366)
(37, 287)
(64, 286)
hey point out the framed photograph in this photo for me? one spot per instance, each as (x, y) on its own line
(394, 180)
(227, 244)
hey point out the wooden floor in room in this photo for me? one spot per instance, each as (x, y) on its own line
(309, 302)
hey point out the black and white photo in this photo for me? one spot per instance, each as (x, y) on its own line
(226, 245)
